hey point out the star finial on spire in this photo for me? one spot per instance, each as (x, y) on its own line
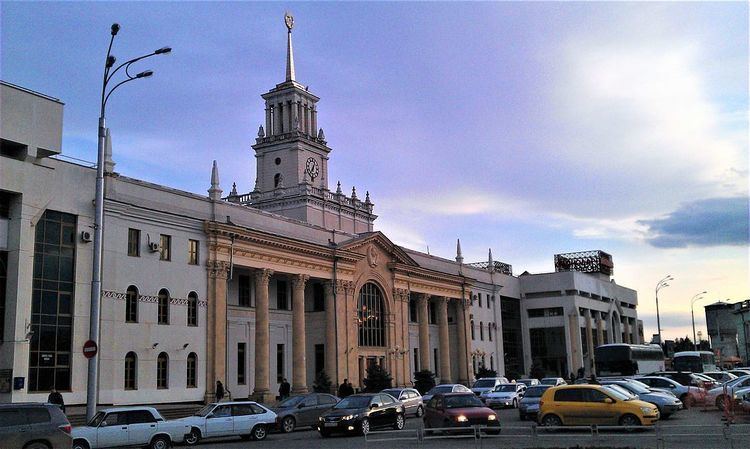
(289, 20)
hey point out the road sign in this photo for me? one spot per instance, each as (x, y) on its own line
(89, 349)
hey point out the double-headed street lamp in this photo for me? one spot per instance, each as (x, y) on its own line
(96, 277)
(660, 285)
(697, 297)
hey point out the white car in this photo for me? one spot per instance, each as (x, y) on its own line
(717, 396)
(444, 388)
(504, 395)
(245, 419)
(720, 376)
(129, 426)
(487, 384)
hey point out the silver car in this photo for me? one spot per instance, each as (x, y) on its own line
(528, 407)
(34, 426)
(411, 399)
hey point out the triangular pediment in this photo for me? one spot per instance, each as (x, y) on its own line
(379, 239)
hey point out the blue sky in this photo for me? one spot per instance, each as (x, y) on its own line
(531, 128)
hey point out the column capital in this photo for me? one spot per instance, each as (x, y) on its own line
(344, 286)
(401, 294)
(422, 297)
(299, 281)
(441, 300)
(262, 275)
(217, 269)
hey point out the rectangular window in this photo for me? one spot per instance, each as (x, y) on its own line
(549, 312)
(319, 298)
(416, 359)
(52, 302)
(489, 331)
(165, 247)
(134, 242)
(130, 373)
(479, 297)
(320, 358)
(241, 363)
(3, 284)
(432, 313)
(192, 252)
(437, 364)
(279, 362)
(412, 310)
(281, 295)
(243, 289)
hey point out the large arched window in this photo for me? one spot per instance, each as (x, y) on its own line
(192, 311)
(370, 316)
(163, 306)
(192, 361)
(131, 304)
(162, 371)
(131, 371)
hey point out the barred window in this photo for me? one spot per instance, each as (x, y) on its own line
(162, 371)
(191, 370)
(370, 316)
(192, 311)
(131, 304)
(163, 307)
(131, 371)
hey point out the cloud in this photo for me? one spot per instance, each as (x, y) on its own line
(708, 222)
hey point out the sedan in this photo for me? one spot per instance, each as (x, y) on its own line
(359, 413)
(667, 404)
(718, 396)
(528, 382)
(245, 419)
(505, 395)
(688, 394)
(444, 388)
(410, 398)
(459, 410)
(302, 411)
(721, 376)
(553, 381)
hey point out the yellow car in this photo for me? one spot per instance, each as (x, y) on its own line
(585, 405)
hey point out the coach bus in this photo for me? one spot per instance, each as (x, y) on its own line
(619, 359)
(694, 361)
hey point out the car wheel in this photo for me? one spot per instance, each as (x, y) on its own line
(160, 442)
(288, 423)
(259, 433)
(420, 411)
(515, 403)
(551, 421)
(630, 421)
(80, 444)
(399, 424)
(192, 438)
(720, 402)
(364, 426)
(36, 445)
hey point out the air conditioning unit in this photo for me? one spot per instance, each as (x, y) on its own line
(153, 247)
(85, 236)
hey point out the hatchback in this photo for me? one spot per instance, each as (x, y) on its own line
(459, 410)
(303, 410)
(34, 426)
(571, 405)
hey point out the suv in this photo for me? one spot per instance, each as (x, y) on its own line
(586, 405)
(34, 426)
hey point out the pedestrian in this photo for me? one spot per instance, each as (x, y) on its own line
(593, 381)
(342, 389)
(349, 388)
(219, 391)
(56, 398)
(284, 389)
(581, 373)
(572, 378)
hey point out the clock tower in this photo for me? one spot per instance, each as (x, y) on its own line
(291, 155)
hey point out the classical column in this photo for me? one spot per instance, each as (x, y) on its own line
(262, 391)
(216, 326)
(462, 353)
(423, 300)
(626, 329)
(330, 341)
(299, 368)
(314, 120)
(589, 343)
(443, 339)
(600, 329)
(268, 129)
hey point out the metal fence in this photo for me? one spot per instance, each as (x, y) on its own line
(709, 436)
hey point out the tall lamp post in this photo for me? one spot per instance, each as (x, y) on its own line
(96, 277)
(697, 297)
(662, 283)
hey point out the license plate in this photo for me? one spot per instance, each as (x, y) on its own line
(330, 424)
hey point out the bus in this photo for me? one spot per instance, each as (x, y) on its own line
(694, 361)
(620, 359)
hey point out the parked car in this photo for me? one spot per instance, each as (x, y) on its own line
(667, 404)
(686, 378)
(717, 396)
(361, 413)
(34, 426)
(568, 405)
(410, 398)
(528, 407)
(303, 410)
(739, 372)
(129, 426)
(720, 376)
(245, 419)
(459, 410)
(743, 399)
(553, 381)
(688, 394)
(528, 382)
(487, 384)
(444, 388)
(504, 395)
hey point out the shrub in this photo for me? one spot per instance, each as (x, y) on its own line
(424, 381)
(484, 372)
(377, 379)
(322, 383)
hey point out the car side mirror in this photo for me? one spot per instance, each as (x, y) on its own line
(609, 401)
(374, 405)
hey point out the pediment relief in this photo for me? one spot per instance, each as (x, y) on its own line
(378, 249)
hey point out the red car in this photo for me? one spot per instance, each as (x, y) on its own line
(459, 410)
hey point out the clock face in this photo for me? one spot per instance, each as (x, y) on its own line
(312, 168)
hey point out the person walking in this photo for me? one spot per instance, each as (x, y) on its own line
(219, 391)
(56, 398)
(284, 389)
(342, 389)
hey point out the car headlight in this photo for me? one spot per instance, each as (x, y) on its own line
(491, 418)
(347, 417)
(321, 419)
(646, 410)
(462, 418)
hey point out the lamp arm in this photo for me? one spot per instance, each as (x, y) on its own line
(105, 79)
(104, 104)
(126, 64)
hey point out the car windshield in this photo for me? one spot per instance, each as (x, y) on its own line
(292, 402)
(549, 381)
(96, 420)
(620, 389)
(505, 388)
(484, 383)
(619, 393)
(354, 402)
(205, 410)
(635, 388)
(462, 401)
(444, 389)
(734, 382)
(534, 392)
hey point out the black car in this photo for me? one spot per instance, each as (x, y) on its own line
(359, 413)
(304, 410)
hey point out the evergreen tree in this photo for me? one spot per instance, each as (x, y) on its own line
(322, 383)
(424, 381)
(484, 372)
(377, 379)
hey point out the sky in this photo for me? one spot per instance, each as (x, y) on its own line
(527, 127)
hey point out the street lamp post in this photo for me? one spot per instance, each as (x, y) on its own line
(660, 285)
(697, 297)
(96, 276)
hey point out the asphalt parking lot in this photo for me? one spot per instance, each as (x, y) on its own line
(695, 428)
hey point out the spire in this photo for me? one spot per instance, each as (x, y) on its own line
(289, 20)
(459, 257)
(109, 164)
(215, 191)
(491, 263)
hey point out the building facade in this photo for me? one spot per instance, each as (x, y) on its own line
(728, 327)
(286, 281)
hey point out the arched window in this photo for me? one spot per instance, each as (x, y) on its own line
(192, 311)
(131, 371)
(277, 180)
(370, 316)
(473, 337)
(162, 371)
(192, 360)
(163, 306)
(481, 331)
(131, 304)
